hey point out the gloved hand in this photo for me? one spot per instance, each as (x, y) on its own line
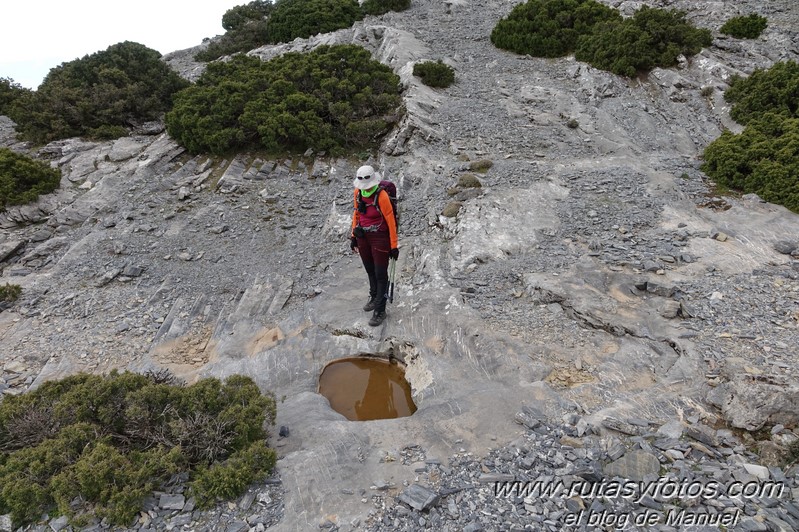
(394, 253)
(353, 243)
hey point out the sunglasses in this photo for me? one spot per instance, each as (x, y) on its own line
(364, 177)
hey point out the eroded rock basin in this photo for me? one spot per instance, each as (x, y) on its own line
(367, 388)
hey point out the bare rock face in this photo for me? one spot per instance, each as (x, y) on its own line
(751, 398)
(594, 288)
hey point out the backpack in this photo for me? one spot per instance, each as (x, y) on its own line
(391, 190)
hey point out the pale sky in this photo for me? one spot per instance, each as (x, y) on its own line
(37, 35)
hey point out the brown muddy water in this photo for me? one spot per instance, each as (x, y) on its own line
(364, 388)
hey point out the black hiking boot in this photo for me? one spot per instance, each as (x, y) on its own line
(377, 318)
(371, 304)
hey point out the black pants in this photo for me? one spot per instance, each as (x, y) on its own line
(374, 248)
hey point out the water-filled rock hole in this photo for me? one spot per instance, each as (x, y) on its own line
(367, 388)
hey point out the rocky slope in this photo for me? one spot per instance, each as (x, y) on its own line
(592, 300)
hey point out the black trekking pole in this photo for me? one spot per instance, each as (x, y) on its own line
(390, 293)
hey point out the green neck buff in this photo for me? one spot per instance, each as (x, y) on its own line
(367, 193)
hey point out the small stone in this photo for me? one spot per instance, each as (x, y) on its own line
(651, 266)
(59, 524)
(284, 431)
(635, 465)
(672, 430)
(675, 455)
(621, 426)
(180, 520)
(237, 526)
(189, 506)
(702, 433)
(381, 485)
(751, 524)
(785, 247)
(575, 504)
(721, 237)
(246, 501)
(172, 502)
(132, 271)
(686, 311)
(15, 366)
(418, 497)
(616, 451)
(527, 417)
(660, 289)
(41, 235)
(670, 309)
(759, 471)
(490, 478)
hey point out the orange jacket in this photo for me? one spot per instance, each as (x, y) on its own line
(384, 205)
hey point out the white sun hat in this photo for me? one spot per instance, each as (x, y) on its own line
(366, 178)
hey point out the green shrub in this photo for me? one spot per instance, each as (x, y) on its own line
(107, 132)
(10, 91)
(25, 474)
(98, 94)
(549, 28)
(23, 179)
(381, 7)
(434, 73)
(229, 479)
(763, 159)
(469, 181)
(331, 99)
(110, 441)
(749, 27)
(452, 209)
(792, 454)
(773, 90)
(599, 35)
(116, 482)
(303, 18)
(238, 17)
(246, 29)
(650, 38)
(481, 165)
(10, 293)
(244, 39)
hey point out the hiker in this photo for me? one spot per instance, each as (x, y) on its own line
(374, 237)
